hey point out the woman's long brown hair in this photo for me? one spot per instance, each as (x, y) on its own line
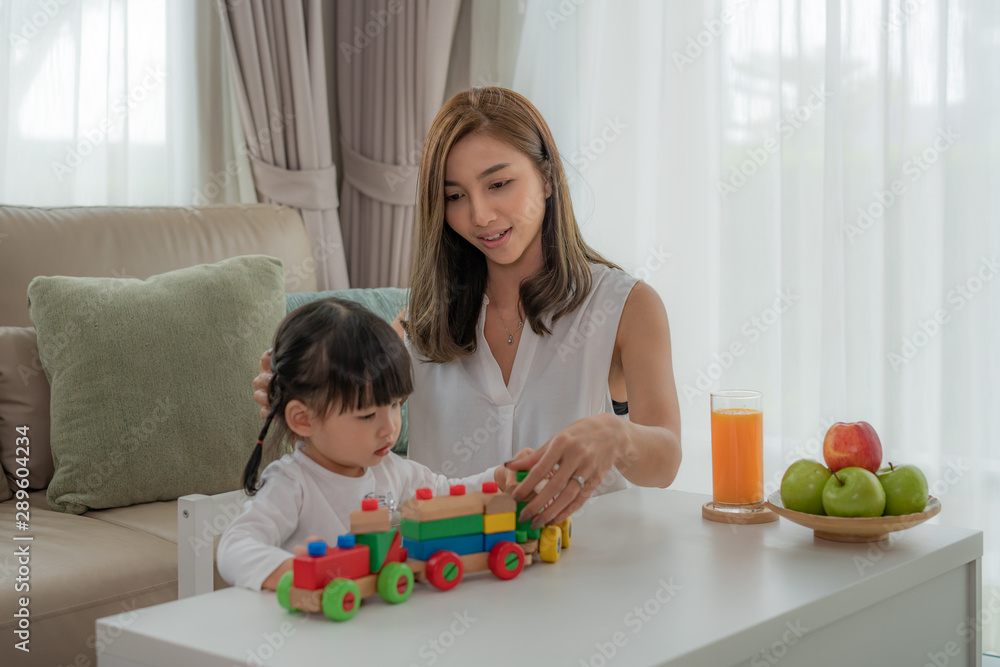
(448, 274)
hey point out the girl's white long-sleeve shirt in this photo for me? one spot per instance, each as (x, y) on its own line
(298, 498)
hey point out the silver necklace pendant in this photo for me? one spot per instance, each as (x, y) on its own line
(510, 339)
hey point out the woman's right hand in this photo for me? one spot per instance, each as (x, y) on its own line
(261, 383)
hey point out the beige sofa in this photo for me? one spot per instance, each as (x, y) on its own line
(83, 567)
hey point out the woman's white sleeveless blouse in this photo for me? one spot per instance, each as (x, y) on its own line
(464, 419)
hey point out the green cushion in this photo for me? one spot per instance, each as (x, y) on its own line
(386, 302)
(150, 379)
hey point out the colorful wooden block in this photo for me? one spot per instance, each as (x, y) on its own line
(313, 572)
(499, 523)
(499, 503)
(378, 545)
(432, 530)
(370, 521)
(422, 550)
(490, 539)
(442, 507)
(476, 562)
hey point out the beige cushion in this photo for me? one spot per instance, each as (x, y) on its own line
(149, 379)
(82, 569)
(139, 242)
(24, 401)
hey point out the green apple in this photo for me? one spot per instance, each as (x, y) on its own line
(905, 489)
(853, 492)
(802, 486)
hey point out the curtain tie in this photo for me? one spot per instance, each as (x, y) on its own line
(382, 181)
(308, 189)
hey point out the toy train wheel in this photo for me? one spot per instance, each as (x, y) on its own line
(395, 582)
(341, 600)
(567, 531)
(506, 560)
(284, 591)
(444, 570)
(550, 544)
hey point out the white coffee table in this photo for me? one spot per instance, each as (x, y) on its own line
(646, 581)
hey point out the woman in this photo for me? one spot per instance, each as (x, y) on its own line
(521, 335)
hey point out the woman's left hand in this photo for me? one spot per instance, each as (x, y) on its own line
(577, 458)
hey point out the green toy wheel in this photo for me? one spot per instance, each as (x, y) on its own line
(284, 591)
(341, 600)
(395, 582)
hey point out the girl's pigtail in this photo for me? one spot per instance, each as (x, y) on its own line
(253, 465)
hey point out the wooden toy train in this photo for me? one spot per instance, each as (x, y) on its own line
(439, 539)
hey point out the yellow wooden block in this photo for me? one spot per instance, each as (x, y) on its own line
(499, 523)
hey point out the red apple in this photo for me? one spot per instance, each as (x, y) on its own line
(854, 445)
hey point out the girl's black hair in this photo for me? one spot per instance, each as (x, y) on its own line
(331, 353)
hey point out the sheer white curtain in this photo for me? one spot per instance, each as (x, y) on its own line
(122, 102)
(814, 190)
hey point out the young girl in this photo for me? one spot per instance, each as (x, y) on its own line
(340, 376)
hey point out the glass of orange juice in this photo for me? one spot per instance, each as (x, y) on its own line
(737, 451)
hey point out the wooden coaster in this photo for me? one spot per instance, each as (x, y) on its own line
(709, 512)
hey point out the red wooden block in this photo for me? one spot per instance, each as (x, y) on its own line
(313, 572)
(424, 494)
(369, 504)
(490, 487)
(457, 490)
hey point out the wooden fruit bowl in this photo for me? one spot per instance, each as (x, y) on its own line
(844, 529)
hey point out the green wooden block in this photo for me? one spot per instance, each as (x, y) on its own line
(521, 474)
(520, 536)
(453, 527)
(534, 534)
(378, 546)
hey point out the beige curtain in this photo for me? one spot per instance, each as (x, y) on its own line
(392, 66)
(280, 73)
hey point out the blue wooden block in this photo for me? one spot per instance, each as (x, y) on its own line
(422, 550)
(490, 539)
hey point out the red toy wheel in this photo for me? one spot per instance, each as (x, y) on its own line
(444, 570)
(506, 560)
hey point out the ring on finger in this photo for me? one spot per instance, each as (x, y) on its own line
(580, 480)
